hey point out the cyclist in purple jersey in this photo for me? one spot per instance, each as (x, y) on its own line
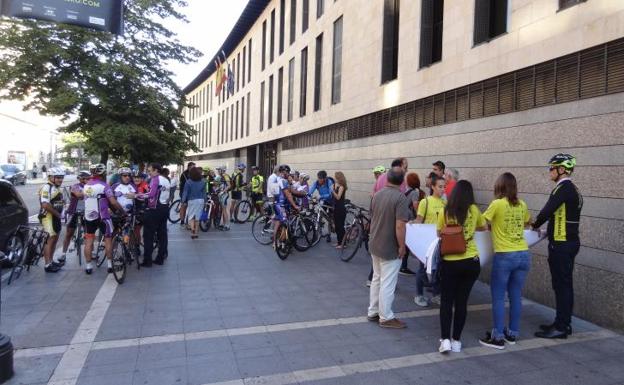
(284, 199)
(75, 208)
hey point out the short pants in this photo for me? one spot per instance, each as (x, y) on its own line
(73, 221)
(281, 214)
(223, 198)
(51, 224)
(257, 197)
(237, 195)
(104, 225)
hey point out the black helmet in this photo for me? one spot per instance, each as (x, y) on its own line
(284, 167)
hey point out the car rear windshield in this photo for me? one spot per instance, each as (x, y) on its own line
(9, 168)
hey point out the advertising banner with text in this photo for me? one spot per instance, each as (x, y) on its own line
(101, 15)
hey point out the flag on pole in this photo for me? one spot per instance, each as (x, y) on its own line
(218, 80)
(230, 80)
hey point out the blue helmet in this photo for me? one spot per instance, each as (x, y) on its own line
(241, 166)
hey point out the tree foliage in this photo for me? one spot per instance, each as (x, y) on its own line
(116, 91)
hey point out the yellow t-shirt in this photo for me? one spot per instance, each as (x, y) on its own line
(434, 207)
(508, 225)
(474, 219)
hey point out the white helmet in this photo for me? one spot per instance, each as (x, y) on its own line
(98, 169)
(304, 176)
(56, 171)
(124, 170)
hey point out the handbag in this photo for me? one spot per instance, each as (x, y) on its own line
(452, 239)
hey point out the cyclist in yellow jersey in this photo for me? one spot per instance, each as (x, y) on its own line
(257, 190)
(237, 186)
(223, 188)
(52, 202)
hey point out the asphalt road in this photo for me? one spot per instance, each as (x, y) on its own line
(29, 192)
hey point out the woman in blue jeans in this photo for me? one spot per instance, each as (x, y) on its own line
(508, 216)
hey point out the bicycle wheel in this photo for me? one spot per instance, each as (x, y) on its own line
(351, 242)
(282, 242)
(133, 248)
(174, 212)
(242, 211)
(204, 225)
(119, 260)
(78, 244)
(216, 218)
(18, 265)
(262, 230)
(301, 239)
(14, 246)
(100, 253)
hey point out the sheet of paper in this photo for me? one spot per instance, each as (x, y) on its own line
(532, 237)
(483, 239)
(419, 237)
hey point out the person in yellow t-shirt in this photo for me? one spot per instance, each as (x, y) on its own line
(428, 212)
(508, 217)
(459, 271)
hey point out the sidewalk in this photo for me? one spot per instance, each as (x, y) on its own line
(225, 310)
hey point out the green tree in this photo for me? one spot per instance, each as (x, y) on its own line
(74, 151)
(116, 91)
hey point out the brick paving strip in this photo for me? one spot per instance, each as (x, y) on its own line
(338, 371)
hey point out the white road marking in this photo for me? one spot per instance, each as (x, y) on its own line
(75, 355)
(339, 371)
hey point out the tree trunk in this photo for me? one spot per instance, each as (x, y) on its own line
(104, 158)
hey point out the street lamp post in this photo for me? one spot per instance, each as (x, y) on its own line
(6, 347)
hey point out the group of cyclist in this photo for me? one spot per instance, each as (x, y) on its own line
(102, 206)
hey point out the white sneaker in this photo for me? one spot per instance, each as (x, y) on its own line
(421, 301)
(368, 283)
(456, 346)
(436, 300)
(445, 346)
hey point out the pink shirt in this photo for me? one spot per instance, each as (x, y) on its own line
(382, 181)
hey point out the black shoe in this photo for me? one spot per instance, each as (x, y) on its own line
(492, 342)
(374, 318)
(552, 326)
(511, 340)
(329, 239)
(552, 334)
(146, 264)
(60, 261)
(109, 270)
(57, 264)
(88, 271)
(406, 271)
(158, 261)
(52, 268)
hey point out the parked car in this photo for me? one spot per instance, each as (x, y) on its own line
(14, 213)
(13, 173)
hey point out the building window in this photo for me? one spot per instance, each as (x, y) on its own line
(237, 76)
(320, 8)
(490, 19)
(264, 37)
(293, 20)
(318, 67)
(563, 4)
(236, 126)
(232, 122)
(270, 112)
(291, 83)
(249, 62)
(282, 27)
(280, 91)
(223, 126)
(304, 82)
(305, 16)
(210, 133)
(337, 62)
(431, 32)
(261, 106)
(242, 76)
(248, 104)
(272, 43)
(242, 125)
(390, 49)
(218, 129)
(227, 124)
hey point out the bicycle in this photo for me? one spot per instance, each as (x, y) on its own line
(78, 237)
(31, 253)
(208, 214)
(244, 208)
(298, 232)
(123, 248)
(262, 226)
(323, 221)
(356, 233)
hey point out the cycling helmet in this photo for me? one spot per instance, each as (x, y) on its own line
(124, 170)
(284, 167)
(379, 169)
(56, 171)
(566, 161)
(242, 166)
(98, 169)
(84, 174)
(255, 168)
(304, 176)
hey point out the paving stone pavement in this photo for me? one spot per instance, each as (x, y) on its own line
(225, 310)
